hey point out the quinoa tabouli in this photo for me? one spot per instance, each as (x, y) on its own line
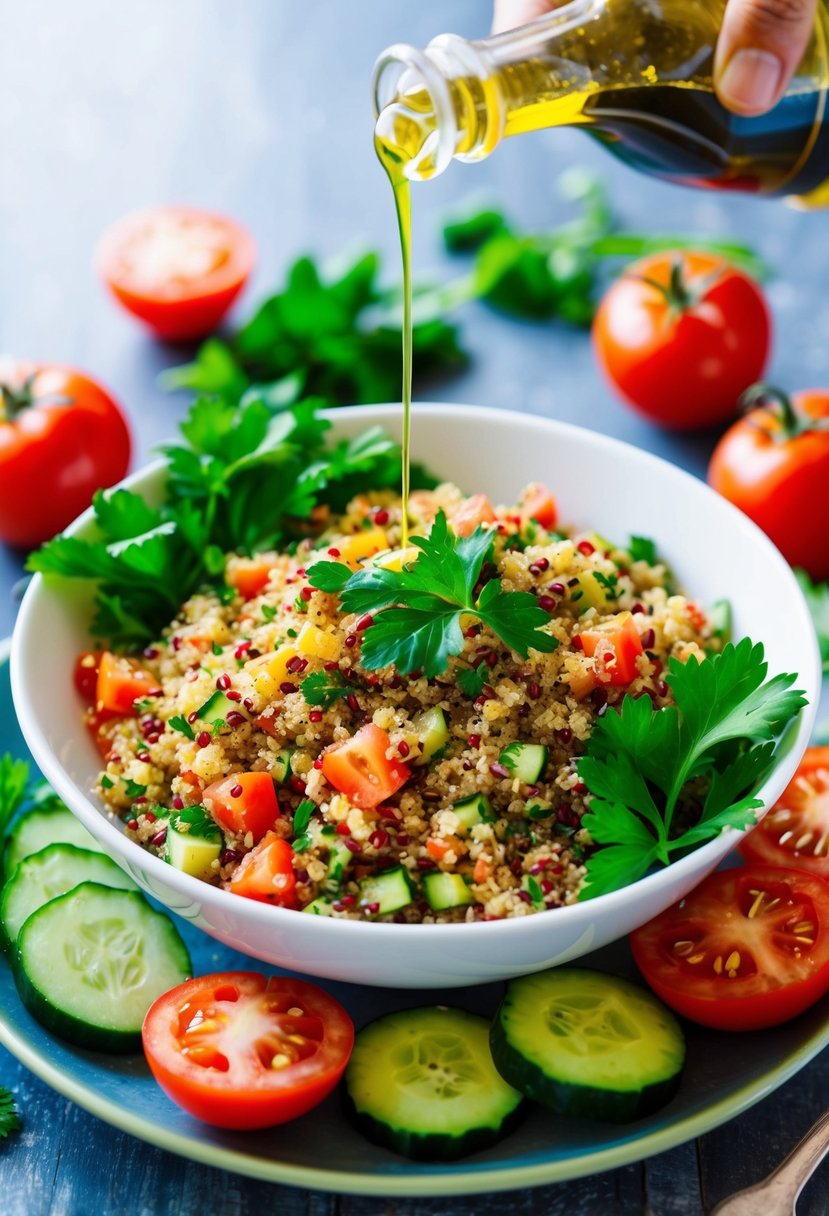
(254, 747)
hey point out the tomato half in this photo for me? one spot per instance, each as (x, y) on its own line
(178, 269)
(681, 336)
(360, 768)
(618, 648)
(748, 948)
(238, 1050)
(121, 682)
(267, 873)
(62, 437)
(795, 832)
(242, 803)
(774, 465)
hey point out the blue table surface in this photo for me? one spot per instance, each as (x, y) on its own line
(262, 109)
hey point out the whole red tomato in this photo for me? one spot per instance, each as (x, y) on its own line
(178, 269)
(774, 465)
(62, 437)
(681, 336)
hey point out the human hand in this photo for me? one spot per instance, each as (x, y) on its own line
(759, 48)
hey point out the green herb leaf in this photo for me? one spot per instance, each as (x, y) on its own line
(9, 1118)
(14, 778)
(195, 820)
(302, 816)
(472, 680)
(324, 688)
(817, 597)
(642, 549)
(132, 789)
(180, 723)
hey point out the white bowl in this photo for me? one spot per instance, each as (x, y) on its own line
(600, 483)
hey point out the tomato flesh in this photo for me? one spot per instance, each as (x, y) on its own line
(266, 873)
(360, 769)
(474, 511)
(749, 948)
(242, 803)
(795, 832)
(85, 675)
(538, 503)
(121, 682)
(178, 269)
(241, 1051)
(619, 649)
(250, 577)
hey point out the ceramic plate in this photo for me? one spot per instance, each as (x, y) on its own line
(725, 1075)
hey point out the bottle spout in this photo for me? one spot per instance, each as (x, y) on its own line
(416, 126)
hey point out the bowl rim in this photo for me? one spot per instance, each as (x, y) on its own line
(580, 915)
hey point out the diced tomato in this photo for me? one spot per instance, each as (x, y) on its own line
(475, 510)
(266, 873)
(360, 768)
(250, 576)
(122, 682)
(267, 723)
(242, 803)
(99, 723)
(619, 648)
(239, 1050)
(85, 675)
(436, 849)
(795, 832)
(537, 503)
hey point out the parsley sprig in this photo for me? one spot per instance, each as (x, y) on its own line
(9, 1118)
(640, 760)
(420, 607)
(323, 688)
(14, 781)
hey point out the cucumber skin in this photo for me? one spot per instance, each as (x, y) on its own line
(582, 1101)
(434, 1146)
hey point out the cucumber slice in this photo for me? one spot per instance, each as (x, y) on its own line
(53, 871)
(444, 891)
(216, 708)
(477, 809)
(90, 963)
(392, 890)
(44, 825)
(319, 907)
(526, 761)
(339, 859)
(422, 1083)
(193, 842)
(281, 765)
(432, 730)
(585, 1043)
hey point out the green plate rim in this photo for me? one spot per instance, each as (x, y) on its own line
(413, 1184)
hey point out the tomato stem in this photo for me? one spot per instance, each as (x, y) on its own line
(778, 405)
(14, 401)
(678, 293)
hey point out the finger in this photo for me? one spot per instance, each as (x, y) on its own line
(509, 14)
(759, 48)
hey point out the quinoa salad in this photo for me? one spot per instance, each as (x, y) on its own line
(252, 748)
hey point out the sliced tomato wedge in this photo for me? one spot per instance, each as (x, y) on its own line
(748, 948)
(242, 803)
(538, 503)
(178, 269)
(241, 1051)
(121, 682)
(360, 768)
(472, 512)
(795, 832)
(619, 648)
(266, 873)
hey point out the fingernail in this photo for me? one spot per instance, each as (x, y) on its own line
(751, 80)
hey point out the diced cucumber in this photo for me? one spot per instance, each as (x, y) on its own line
(526, 761)
(53, 871)
(585, 1043)
(600, 543)
(319, 907)
(474, 810)
(52, 823)
(391, 890)
(193, 842)
(339, 859)
(422, 1083)
(538, 808)
(216, 708)
(89, 964)
(720, 619)
(432, 730)
(444, 891)
(281, 765)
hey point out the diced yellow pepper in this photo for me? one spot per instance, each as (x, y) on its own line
(354, 550)
(317, 643)
(396, 559)
(268, 671)
(593, 594)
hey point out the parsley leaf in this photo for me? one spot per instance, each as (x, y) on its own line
(9, 1118)
(643, 549)
(324, 688)
(817, 597)
(419, 609)
(472, 680)
(179, 722)
(639, 760)
(302, 817)
(14, 778)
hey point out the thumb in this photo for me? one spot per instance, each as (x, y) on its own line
(760, 46)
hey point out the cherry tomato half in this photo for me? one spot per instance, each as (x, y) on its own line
(681, 336)
(360, 768)
(178, 269)
(62, 437)
(241, 1051)
(774, 465)
(748, 948)
(795, 832)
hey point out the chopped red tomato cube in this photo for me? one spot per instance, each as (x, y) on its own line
(360, 768)
(250, 576)
(242, 803)
(537, 503)
(122, 682)
(619, 648)
(475, 510)
(266, 873)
